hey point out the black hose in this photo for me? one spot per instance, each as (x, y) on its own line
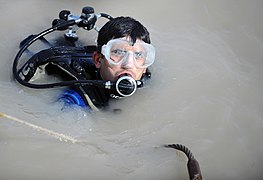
(28, 43)
(31, 39)
(98, 83)
(193, 167)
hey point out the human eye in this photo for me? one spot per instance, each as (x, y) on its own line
(118, 52)
(139, 58)
(139, 55)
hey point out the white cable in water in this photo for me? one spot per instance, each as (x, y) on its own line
(60, 136)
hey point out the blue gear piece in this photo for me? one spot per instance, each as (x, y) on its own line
(72, 97)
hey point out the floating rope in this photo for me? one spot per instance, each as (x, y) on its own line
(60, 136)
(182, 148)
(193, 167)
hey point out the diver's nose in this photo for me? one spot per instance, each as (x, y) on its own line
(128, 62)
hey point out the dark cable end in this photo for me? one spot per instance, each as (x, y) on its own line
(194, 169)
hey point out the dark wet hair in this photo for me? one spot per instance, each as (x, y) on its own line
(122, 27)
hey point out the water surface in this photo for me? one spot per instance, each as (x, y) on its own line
(205, 92)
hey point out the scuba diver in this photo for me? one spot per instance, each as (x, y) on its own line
(123, 50)
(115, 68)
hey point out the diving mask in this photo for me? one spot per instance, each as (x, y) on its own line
(118, 51)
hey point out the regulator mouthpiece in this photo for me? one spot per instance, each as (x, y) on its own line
(126, 86)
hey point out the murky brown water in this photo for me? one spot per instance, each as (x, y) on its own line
(205, 92)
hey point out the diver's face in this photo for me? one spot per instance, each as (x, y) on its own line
(111, 72)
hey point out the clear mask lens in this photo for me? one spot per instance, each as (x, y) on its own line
(118, 51)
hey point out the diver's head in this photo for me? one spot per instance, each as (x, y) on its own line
(122, 27)
(123, 49)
